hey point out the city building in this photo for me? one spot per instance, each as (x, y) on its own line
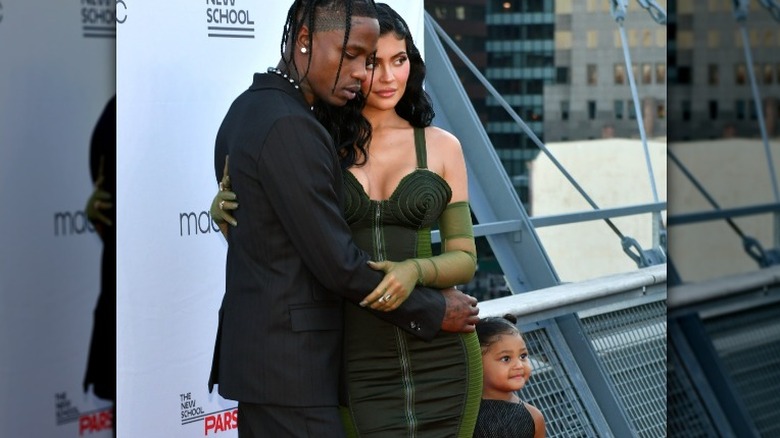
(709, 90)
(560, 65)
(590, 96)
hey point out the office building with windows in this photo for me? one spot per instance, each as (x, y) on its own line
(590, 96)
(709, 90)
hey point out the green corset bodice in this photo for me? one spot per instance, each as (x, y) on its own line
(396, 228)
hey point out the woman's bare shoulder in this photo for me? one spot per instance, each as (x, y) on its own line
(441, 139)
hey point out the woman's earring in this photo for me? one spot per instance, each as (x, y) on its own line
(304, 50)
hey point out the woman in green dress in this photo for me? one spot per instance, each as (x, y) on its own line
(397, 185)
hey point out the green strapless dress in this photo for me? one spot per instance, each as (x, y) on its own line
(399, 385)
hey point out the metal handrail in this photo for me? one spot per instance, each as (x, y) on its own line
(730, 295)
(564, 299)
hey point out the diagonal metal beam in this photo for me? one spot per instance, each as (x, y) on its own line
(493, 198)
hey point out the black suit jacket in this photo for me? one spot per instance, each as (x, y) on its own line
(291, 259)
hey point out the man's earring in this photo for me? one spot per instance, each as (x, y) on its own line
(304, 50)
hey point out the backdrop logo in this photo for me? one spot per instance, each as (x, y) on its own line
(98, 18)
(196, 223)
(226, 20)
(121, 14)
(89, 422)
(213, 422)
(67, 223)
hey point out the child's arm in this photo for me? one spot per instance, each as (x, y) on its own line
(536, 414)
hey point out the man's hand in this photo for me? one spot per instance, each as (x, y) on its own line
(461, 313)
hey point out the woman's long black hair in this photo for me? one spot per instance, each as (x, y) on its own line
(415, 105)
(352, 138)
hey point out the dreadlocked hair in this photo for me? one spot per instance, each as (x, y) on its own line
(319, 15)
(351, 131)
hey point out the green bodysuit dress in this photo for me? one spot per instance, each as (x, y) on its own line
(399, 385)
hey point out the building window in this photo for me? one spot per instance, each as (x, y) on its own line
(506, 6)
(592, 73)
(660, 37)
(620, 74)
(631, 110)
(561, 75)
(753, 112)
(534, 86)
(538, 32)
(564, 110)
(769, 38)
(684, 75)
(740, 108)
(713, 39)
(740, 74)
(647, 38)
(534, 114)
(632, 37)
(592, 109)
(713, 104)
(563, 39)
(647, 73)
(592, 39)
(686, 110)
(618, 109)
(713, 74)
(660, 73)
(768, 74)
(661, 111)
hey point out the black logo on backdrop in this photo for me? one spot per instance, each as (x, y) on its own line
(98, 18)
(67, 223)
(213, 422)
(121, 11)
(196, 223)
(89, 422)
(226, 20)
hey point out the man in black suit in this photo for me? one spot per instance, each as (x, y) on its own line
(291, 260)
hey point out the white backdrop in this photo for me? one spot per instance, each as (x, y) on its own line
(180, 64)
(56, 75)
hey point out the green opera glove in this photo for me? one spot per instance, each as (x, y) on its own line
(225, 200)
(456, 265)
(398, 282)
(98, 203)
(458, 260)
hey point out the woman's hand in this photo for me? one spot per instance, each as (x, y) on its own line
(99, 203)
(400, 278)
(225, 201)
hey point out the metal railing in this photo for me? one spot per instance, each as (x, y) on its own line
(597, 346)
(624, 320)
(724, 361)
